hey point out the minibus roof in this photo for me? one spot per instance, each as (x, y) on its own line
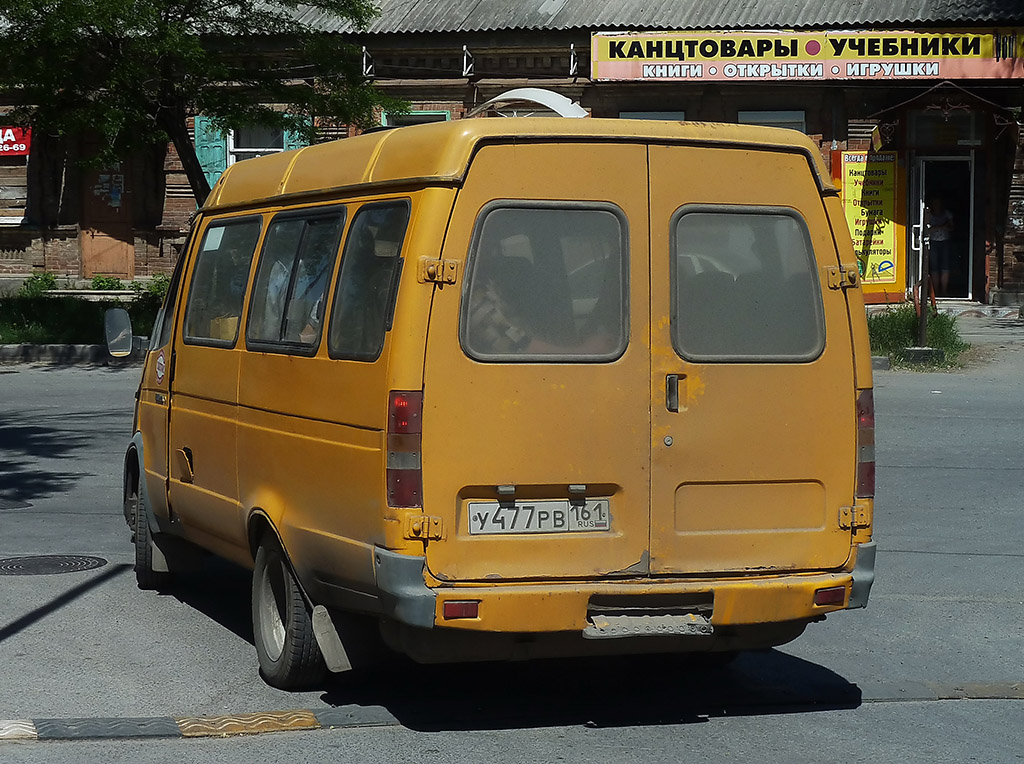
(439, 153)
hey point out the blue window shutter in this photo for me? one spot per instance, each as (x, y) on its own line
(211, 148)
(292, 140)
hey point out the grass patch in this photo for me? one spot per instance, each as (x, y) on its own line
(68, 320)
(894, 330)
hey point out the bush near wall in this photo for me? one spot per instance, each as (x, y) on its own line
(69, 320)
(894, 330)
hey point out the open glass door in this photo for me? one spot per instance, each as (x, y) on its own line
(942, 214)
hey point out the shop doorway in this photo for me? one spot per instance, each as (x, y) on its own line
(945, 183)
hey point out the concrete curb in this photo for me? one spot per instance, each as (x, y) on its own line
(970, 310)
(67, 355)
(102, 728)
(106, 728)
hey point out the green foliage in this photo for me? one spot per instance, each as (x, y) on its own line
(157, 286)
(106, 283)
(894, 330)
(37, 284)
(132, 71)
(69, 320)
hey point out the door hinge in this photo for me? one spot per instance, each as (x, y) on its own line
(437, 271)
(424, 528)
(842, 276)
(857, 516)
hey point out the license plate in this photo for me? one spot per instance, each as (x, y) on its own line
(547, 516)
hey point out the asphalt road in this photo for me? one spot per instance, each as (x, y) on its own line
(932, 670)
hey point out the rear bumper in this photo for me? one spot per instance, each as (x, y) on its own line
(562, 607)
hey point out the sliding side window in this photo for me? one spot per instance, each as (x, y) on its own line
(295, 268)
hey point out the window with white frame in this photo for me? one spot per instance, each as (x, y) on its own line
(254, 141)
(672, 116)
(794, 120)
(414, 118)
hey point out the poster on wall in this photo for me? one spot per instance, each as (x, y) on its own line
(725, 56)
(868, 186)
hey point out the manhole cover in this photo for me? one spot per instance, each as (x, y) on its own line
(13, 504)
(47, 564)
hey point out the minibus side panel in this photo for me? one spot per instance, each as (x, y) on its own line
(510, 438)
(311, 429)
(752, 467)
(203, 486)
(154, 392)
(854, 297)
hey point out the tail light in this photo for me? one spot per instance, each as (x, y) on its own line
(404, 470)
(865, 444)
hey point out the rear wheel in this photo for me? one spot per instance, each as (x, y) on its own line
(138, 518)
(282, 626)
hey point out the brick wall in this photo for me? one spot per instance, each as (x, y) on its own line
(25, 250)
(1013, 242)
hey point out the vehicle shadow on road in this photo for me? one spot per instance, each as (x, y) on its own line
(596, 692)
(227, 603)
(610, 692)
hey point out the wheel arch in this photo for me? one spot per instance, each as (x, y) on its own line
(259, 524)
(133, 471)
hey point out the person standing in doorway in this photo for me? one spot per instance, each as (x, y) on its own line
(939, 222)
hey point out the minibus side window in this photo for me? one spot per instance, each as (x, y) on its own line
(370, 266)
(164, 321)
(291, 281)
(546, 282)
(744, 286)
(219, 281)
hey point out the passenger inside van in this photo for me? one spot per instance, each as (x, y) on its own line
(525, 300)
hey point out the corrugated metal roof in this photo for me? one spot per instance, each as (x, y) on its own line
(413, 16)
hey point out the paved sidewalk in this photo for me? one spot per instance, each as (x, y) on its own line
(989, 330)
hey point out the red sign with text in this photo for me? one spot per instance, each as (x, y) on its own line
(15, 141)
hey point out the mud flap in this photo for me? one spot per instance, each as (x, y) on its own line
(335, 655)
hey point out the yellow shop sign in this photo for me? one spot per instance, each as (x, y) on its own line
(711, 55)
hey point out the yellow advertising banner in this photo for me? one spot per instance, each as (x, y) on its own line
(828, 55)
(868, 187)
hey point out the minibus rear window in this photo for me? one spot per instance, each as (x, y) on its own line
(370, 266)
(547, 282)
(219, 280)
(744, 286)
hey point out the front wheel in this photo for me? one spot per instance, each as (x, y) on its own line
(135, 511)
(282, 626)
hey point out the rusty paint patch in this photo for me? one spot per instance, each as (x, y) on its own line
(641, 566)
(246, 724)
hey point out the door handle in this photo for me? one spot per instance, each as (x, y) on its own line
(916, 231)
(160, 398)
(672, 391)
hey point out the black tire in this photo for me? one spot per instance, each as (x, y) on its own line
(282, 626)
(135, 510)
